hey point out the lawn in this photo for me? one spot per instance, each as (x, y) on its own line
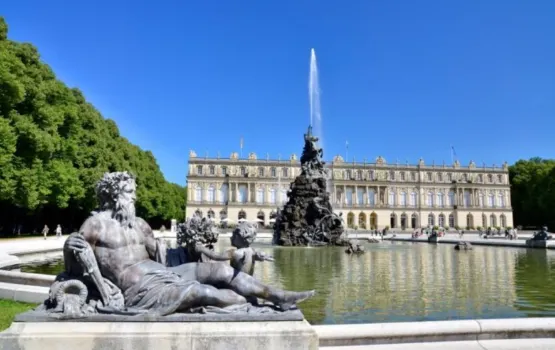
(10, 308)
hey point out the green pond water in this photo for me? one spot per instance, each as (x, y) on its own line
(397, 281)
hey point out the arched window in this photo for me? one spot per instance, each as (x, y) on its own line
(431, 219)
(260, 171)
(403, 199)
(493, 220)
(451, 220)
(284, 172)
(481, 199)
(470, 221)
(451, 198)
(362, 220)
(273, 195)
(414, 221)
(501, 200)
(212, 170)
(503, 220)
(373, 221)
(223, 214)
(242, 215)
(273, 172)
(261, 217)
(243, 171)
(413, 199)
(211, 194)
(441, 220)
(484, 221)
(260, 195)
(198, 194)
(491, 200)
(391, 199)
(392, 175)
(371, 197)
(404, 221)
(393, 220)
(351, 220)
(440, 201)
(224, 193)
(430, 199)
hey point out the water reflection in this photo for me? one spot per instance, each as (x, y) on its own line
(409, 282)
(535, 283)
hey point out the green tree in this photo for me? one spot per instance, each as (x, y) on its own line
(533, 192)
(54, 146)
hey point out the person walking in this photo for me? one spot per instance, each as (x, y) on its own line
(58, 231)
(45, 231)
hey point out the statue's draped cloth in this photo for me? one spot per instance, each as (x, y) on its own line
(162, 292)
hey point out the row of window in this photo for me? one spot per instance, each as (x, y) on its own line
(243, 171)
(358, 174)
(393, 222)
(392, 175)
(242, 195)
(413, 223)
(432, 200)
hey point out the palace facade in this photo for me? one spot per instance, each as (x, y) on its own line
(370, 195)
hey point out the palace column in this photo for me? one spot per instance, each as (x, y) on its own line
(355, 200)
(229, 192)
(249, 192)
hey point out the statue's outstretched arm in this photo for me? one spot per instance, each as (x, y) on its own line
(212, 254)
(261, 256)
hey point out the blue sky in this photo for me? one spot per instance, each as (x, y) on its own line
(402, 79)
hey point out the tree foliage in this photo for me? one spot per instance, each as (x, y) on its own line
(54, 146)
(533, 192)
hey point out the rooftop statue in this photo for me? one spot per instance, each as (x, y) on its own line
(114, 265)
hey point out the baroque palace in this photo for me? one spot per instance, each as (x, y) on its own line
(370, 195)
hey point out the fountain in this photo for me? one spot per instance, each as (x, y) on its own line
(308, 218)
(314, 101)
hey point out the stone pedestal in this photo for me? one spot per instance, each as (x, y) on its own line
(263, 335)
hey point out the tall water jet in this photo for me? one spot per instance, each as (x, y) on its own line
(314, 99)
(315, 111)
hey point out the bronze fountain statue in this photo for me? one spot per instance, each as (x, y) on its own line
(114, 265)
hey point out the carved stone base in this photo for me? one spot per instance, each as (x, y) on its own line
(282, 335)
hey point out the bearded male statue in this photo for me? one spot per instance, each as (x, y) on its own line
(122, 249)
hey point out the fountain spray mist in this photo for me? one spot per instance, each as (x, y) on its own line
(314, 99)
(315, 112)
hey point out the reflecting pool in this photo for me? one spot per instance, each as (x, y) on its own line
(397, 281)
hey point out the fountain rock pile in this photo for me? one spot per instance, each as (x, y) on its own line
(307, 218)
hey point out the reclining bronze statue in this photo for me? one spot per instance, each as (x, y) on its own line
(115, 265)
